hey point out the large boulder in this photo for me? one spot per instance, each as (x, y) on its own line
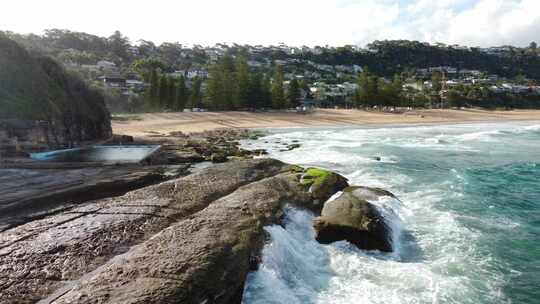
(354, 219)
(320, 183)
(369, 193)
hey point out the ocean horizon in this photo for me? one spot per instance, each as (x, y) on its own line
(465, 226)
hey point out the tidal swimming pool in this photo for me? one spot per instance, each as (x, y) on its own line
(117, 154)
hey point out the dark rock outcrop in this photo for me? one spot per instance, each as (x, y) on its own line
(353, 219)
(292, 147)
(58, 108)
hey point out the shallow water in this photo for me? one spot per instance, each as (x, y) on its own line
(124, 154)
(468, 219)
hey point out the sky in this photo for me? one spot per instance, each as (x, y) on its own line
(293, 22)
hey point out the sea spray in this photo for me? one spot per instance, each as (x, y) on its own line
(468, 215)
(294, 268)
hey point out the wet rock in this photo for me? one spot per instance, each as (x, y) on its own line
(189, 240)
(292, 147)
(259, 152)
(76, 241)
(120, 139)
(377, 158)
(202, 259)
(184, 157)
(321, 182)
(218, 157)
(30, 192)
(368, 193)
(353, 219)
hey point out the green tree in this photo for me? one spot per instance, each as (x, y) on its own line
(154, 89)
(368, 89)
(118, 45)
(294, 93)
(255, 91)
(436, 81)
(171, 96)
(181, 94)
(163, 91)
(278, 93)
(454, 98)
(241, 96)
(391, 92)
(221, 85)
(195, 99)
(145, 67)
(266, 97)
(215, 92)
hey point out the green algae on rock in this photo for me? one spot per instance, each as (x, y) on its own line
(322, 181)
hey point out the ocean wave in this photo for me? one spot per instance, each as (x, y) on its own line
(442, 234)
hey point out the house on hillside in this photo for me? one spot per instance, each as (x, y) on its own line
(135, 85)
(190, 73)
(107, 65)
(254, 64)
(113, 80)
(200, 73)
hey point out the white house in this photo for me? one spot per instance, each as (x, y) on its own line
(106, 64)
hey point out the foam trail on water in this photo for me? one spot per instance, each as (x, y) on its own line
(390, 209)
(294, 268)
(449, 229)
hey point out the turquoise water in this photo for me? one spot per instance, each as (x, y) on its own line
(119, 154)
(468, 217)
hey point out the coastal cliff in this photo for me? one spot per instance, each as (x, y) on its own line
(41, 103)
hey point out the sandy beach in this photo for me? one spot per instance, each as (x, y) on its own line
(142, 125)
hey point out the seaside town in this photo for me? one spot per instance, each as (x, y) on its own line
(384, 152)
(142, 76)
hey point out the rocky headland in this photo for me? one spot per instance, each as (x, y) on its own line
(166, 230)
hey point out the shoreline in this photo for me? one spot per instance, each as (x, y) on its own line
(397, 125)
(159, 124)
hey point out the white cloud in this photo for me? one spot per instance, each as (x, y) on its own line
(296, 22)
(487, 22)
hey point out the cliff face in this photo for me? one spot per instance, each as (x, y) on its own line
(39, 93)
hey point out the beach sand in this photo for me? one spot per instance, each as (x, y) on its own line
(142, 125)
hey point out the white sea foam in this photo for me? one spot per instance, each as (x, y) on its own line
(437, 258)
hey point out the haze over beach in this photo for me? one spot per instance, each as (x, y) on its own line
(254, 152)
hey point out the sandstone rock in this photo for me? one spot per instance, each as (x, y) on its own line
(202, 259)
(259, 152)
(189, 240)
(218, 157)
(76, 241)
(321, 182)
(351, 218)
(120, 139)
(368, 193)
